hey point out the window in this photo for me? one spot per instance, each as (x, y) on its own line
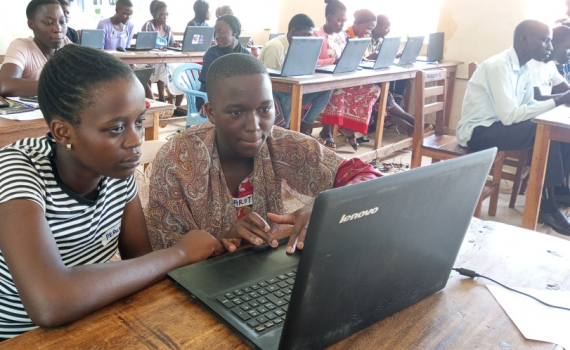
(547, 11)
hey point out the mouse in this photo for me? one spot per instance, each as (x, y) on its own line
(121, 49)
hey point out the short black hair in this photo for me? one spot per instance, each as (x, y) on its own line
(526, 27)
(64, 2)
(156, 6)
(231, 65)
(35, 4)
(125, 3)
(201, 7)
(560, 34)
(299, 22)
(333, 6)
(69, 79)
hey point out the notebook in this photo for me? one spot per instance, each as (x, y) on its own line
(411, 51)
(371, 250)
(386, 55)
(143, 74)
(301, 58)
(196, 39)
(94, 38)
(274, 35)
(435, 48)
(244, 40)
(349, 59)
(146, 41)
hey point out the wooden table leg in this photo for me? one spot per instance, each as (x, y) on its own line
(382, 102)
(537, 173)
(151, 133)
(296, 107)
(449, 96)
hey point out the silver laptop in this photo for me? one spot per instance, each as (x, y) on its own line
(411, 51)
(434, 49)
(94, 38)
(244, 40)
(146, 41)
(349, 59)
(301, 58)
(371, 250)
(196, 39)
(386, 55)
(274, 35)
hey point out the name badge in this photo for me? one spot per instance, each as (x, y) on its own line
(244, 201)
(107, 237)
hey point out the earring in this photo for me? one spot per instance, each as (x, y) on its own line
(69, 146)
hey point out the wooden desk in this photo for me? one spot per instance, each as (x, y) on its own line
(553, 125)
(14, 130)
(297, 86)
(464, 315)
(157, 56)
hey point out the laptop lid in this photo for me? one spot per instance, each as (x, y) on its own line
(372, 249)
(301, 58)
(244, 40)
(143, 74)
(146, 40)
(352, 55)
(388, 52)
(94, 38)
(197, 39)
(411, 50)
(274, 35)
(435, 47)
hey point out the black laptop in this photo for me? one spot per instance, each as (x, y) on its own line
(244, 40)
(195, 39)
(349, 59)
(143, 74)
(386, 55)
(434, 49)
(372, 249)
(411, 51)
(146, 41)
(301, 58)
(94, 38)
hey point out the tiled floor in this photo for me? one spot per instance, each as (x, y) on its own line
(504, 213)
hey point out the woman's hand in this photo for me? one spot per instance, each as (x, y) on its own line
(252, 228)
(300, 221)
(198, 245)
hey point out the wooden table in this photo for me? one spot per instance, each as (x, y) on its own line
(297, 86)
(158, 56)
(553, 125)
(464, 315)
(14, 130)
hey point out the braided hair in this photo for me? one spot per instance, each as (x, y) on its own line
(34, 5)
(69, 81)
(333, 6)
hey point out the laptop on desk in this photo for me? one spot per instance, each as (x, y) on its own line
(301, 58)
(244, 40)
(195, 39)
(411, 51)
(94, 38)
(435, 48)
(386, 55)
(143, 74)
(371, 250)
(274, 35)
(349, 59)
(146, 41)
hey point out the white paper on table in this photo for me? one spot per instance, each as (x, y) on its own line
(535, 320)
(31, 115)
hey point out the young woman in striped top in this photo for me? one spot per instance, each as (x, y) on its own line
(68, 200)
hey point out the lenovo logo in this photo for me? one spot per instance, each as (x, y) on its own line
(346, 218)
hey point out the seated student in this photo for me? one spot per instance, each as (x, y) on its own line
(71, 33)
(201, 14)
(162, 74)
(25, 58)
(273, 56)
(226, 30)
(377, 35)
(228, 177)
(69, 200)
(223, 10)
(498, 108)
(119, 30)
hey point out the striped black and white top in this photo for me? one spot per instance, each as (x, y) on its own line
(86, 232)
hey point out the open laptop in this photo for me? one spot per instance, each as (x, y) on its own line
(196, 39)
(274, 35)
(301, 58)
(143, 74)
(94, 38)
(146, 41)
(386, 55)
(434, 49)
(411, 51)
(371, 250)
(244, 40)
(349, 59)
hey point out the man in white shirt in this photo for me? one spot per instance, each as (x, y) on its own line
(273, 56)
(498, 108)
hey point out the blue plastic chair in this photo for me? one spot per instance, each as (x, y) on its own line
(186, 79)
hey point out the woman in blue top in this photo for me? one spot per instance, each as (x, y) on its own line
(162, 75)
(227, 31)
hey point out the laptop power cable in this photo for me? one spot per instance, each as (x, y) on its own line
(473, 274)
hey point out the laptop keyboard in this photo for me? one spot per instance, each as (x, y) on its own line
(261, 305)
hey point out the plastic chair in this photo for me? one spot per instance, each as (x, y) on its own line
(186, 80)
